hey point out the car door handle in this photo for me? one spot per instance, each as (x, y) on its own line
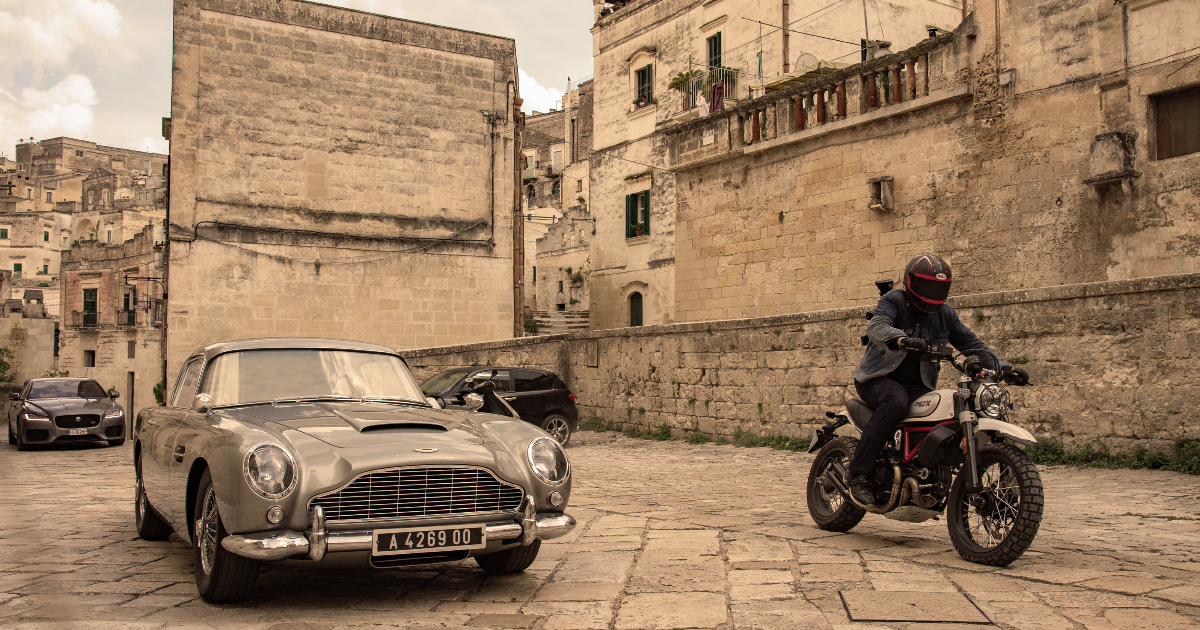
(509, 397)
(151, 423)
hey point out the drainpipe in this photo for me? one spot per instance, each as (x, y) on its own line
(518, 227)
(786, 66)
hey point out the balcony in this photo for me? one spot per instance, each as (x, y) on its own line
(84, 321)
(718, 86)
(126, 319)
(533, 172)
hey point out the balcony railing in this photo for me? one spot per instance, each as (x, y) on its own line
(920, 76)
(716, 84)
(85, 320)
(533, 172)
(127, 319)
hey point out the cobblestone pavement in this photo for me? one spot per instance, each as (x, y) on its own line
(670, 535)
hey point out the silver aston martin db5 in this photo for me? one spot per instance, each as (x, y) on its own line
(270, 449)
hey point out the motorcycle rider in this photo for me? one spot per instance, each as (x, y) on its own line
(914, 317)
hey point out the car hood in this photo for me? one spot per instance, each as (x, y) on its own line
(57, 406)
(360, 425)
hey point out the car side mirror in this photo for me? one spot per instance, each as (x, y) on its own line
(14, 395)
(202, 404)
(115, 395)
(473, 401)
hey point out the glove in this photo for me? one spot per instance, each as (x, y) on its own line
(914, 343)
(1020, 377)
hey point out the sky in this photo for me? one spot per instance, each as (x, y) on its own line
(100, 70)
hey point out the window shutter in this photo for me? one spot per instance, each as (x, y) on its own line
(646, 206)
(650, 83)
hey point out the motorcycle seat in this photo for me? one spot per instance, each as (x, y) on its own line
(859, 413)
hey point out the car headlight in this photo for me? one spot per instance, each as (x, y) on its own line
(992, 400)
(549, 461)
(270, 471)
(115, 413)
(35, 415)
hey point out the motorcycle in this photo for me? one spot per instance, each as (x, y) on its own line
(955, 453)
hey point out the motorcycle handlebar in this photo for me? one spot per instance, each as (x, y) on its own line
(973, 365)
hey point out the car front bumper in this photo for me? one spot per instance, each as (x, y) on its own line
(316, 542)
(37, 431)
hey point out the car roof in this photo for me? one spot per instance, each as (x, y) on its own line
(79, 379)
(476, 368)
(287, 343)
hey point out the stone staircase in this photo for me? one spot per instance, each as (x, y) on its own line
(561, 322)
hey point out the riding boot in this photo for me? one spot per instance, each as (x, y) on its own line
(861, 488)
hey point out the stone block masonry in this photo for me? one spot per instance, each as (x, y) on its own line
(338, 174)
(1110, 361)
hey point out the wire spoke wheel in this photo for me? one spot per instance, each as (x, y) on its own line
(998, 524)
(826, 505)
(206, 538)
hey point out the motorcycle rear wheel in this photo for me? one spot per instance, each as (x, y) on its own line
(999, 530)
(828, 508)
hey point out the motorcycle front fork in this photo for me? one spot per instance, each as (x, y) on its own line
(968, 421)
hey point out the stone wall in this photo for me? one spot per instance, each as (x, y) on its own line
(1110, 361)
(338, 174)
(32, 343)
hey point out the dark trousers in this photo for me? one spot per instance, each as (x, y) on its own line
(889, 400)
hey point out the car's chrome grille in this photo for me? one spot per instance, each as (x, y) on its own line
(416, 492)
(76, 422)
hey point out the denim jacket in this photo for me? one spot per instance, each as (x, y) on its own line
(894, 319)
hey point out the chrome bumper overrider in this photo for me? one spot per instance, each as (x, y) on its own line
(316, 542)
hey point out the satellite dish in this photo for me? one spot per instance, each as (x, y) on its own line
(805, 60)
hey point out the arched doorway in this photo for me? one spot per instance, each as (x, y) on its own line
(635, 309)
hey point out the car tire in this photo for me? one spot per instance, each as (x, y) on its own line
(221, 576)
(117, 442)
(149, 526)
(558, 427)
(21, 445)
(12, 438)
(512, 560)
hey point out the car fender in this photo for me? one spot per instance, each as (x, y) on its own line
(514, 437)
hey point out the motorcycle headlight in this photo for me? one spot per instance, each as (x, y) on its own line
(549, 461)
(991, 400)
(115, 413)
(270, 471)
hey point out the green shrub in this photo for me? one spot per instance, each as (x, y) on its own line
(699, 438)
(661, 434)
(599, 425)
(1185, 457)
(746, 439)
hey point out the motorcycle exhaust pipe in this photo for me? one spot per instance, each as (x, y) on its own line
(910, 485)
(837, 475)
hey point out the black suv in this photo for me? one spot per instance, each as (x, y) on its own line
(540, 397)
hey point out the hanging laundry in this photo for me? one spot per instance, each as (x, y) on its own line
(718, 97)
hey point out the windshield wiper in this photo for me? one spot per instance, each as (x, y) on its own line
(392, 399)
(297, 399)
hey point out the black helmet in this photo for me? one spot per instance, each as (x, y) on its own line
(927, 282)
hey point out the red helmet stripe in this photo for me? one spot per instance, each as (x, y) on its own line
(934, 278)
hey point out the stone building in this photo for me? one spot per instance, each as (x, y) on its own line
(117, 205)
(543, 155)
(661, 62)
(112, 314)
(1023, 165)
(52, 171)
(340, 174)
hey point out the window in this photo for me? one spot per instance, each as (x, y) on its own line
(556, 159)
(49, 197)
(45, 236)
(1178, 126)
(108, 236)
(645, 85)
(64, 241)
(45, 269)
(530, 195)
(131, 350)
(500, 378)
(535, 275)
(56, 342)
(714, 51)
(579, 185)
(635, 309)
(560, 286)
(89, 300)
(104, 196)
(16, 270)
(78, 153)
(531, 381)
(637, 214)
(91, 197)
(555, 189)
(186, 387)
(89, 358)
(29, 193)
(3, 233)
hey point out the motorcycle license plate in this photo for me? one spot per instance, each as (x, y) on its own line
(394, 542)
(77, 432)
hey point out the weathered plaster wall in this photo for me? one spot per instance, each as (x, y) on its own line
(334, 174)
(1109, 361)
(32, 344)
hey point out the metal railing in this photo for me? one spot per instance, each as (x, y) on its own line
(127, 319)
(718, 83)
(87, 319)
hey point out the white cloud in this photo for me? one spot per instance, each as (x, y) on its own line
(537, 98)
(153, 145)
(43, 33)
(63, 110)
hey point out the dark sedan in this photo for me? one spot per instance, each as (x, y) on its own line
(540, 397)
(57, 410)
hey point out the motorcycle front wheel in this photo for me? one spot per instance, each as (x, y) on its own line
(999, 525)
(829, 509)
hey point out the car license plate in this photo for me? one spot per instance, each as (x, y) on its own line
(76, 431)
(391, 542)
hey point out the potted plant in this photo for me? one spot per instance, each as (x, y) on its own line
(639, 229)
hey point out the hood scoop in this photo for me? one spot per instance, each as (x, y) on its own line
(388, 422)
(413, 427)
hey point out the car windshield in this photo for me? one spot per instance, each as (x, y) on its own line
(255, 376)
(66, 389)
(439, 383)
